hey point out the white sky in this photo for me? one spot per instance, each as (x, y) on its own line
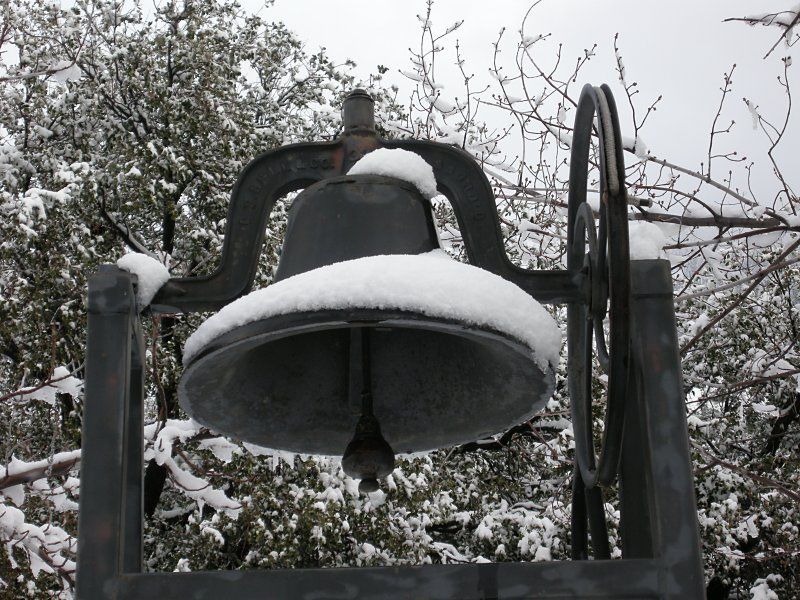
(678, 48)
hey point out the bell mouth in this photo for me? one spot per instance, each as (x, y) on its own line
(282, 382)
(456, 354)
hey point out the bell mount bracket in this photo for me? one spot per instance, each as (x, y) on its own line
(289, 168)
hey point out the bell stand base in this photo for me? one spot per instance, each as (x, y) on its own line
(659, 532)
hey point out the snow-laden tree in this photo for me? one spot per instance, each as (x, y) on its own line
(124, 127)
(734, 252)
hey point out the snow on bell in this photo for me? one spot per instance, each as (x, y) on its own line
(371, 341)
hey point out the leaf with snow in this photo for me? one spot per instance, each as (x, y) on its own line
(221, 448)
(201, 490)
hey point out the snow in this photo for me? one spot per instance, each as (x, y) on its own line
(699, 323)
(563, 137)
(201, 491)
(448, 551)
(401, 164)
(530, 40)
(791, 219)
(173, 429)
(762, 591)
(621, 66)
(151, 274)
(11, 518)
(646, 240)
(15, 493)
(43, 545)
(497, 75)
(256, 450)
(753, 112)
(221, 448)
(635, 145)
(213, 533)
(331, 494)
(16, 466)
(182, 566)
(783, 18)
(449, 135)
(277, 456)
(42, 132)
(412, 75)
(441, 105)
(484, 530)
(377, 498)
(433, 284)
(55, 494)
(61, 382)
(542, 553)
(65, 71)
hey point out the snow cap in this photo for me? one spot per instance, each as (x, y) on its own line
(402, 164)
(151, 273)
(432, 284)
(646, 240)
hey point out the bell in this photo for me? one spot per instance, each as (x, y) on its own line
(371, 341)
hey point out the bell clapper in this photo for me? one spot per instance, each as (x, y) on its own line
(368, 456)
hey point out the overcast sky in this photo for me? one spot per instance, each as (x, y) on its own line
(678, 48)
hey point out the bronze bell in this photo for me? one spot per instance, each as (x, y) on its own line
(369, 380)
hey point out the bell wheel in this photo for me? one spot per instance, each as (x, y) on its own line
(599, 327)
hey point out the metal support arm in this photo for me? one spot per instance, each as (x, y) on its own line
(290, 168)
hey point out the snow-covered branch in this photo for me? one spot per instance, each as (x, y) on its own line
(786, 20)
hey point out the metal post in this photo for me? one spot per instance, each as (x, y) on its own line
(133, 450)
(635, 484)
(109, 540)
(665, 451)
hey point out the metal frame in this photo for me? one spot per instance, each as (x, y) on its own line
(659, 532)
